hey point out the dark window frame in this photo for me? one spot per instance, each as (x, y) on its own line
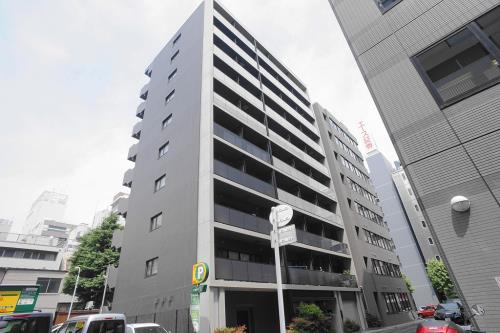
(177, 39)
(494, 50)
(385, 10)
(149, 272)
(153, 222)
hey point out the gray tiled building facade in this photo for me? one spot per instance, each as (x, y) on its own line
(408, 228)
(372, 248)
(225, 133)
(432, 67)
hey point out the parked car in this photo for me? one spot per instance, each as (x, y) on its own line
(438, 326)
(426, 311)
(452, 311)
(35, 322)
(95, 323)
(145, 328)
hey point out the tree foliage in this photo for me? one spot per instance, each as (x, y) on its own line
(93, 255)
(440, 279)
(409, 284)
(311, 319)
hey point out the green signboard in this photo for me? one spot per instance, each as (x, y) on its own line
(17, 298)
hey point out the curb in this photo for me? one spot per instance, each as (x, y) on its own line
(383, 329)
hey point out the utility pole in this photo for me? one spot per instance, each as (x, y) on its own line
(105, 288)
(74, 292)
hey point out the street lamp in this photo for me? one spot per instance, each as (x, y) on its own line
(105, 287)
(74, 291)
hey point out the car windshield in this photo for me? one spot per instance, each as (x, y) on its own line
(26, 325)
(149, 329)
(106, 326)
(449, 306)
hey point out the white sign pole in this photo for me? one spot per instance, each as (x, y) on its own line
(281, 306)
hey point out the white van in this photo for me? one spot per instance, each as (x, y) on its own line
(95, 323)
(145, 328)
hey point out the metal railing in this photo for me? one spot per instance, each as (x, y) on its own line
(224, 170)
(319, 278)
(32, 239)
(242, 143)
(240, 219)
(308, 238)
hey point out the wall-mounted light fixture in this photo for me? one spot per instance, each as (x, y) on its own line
(460, 204)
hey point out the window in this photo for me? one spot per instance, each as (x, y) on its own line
(160, 183)
(174, 56)
(152, 267)
(172, 75)
(410, 191)
(49, 285)
(163, 150)
(385, 5)
(465, 62)
(424, 224)
(104, 326)
(417, 208)
(431, 242)
(155, 222)
(177, 39)
(438, 258)
(166, 121)
(170, 97)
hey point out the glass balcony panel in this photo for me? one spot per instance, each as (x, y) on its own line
(242, 178)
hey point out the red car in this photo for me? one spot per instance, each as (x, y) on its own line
(426, 311)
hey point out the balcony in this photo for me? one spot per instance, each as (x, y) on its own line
(318, 278)
(122, 207)
(228, 172)
(144, 91)
(240, 142)
(139, 113)
(234, 270)
(127, 178)
(303, 178)
(242, 220)
(239, 68)
(132, 153)
(307, 206)
(136, 131)
(308, 238)
(241, 113)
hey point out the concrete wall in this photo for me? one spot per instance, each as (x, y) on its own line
(175, 242)
(446, 152)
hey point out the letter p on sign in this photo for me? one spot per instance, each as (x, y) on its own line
(200, 273)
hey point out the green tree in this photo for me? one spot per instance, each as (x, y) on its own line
(440, 279)
(409, 284)
(93, 255)
(311, 319)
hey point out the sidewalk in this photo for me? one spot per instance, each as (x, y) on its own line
(406, 328)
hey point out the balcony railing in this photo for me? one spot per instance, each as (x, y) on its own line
(246, 221)
(128, 177)
(144, 91)
(319, 278)
(308, 206)
(308, 238)
(224, 170)
(235, 270)
(136, 130)
(32, 239)
(140, 110)
(240, 219)
(132, 153)
(240, 142)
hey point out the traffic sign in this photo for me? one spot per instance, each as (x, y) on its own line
(287, 235)
(281, 215)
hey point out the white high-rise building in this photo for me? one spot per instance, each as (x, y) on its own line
(48, 206)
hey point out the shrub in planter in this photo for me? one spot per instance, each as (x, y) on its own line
(239, 329)
(311, 319)
(351, 326)
(373, 321)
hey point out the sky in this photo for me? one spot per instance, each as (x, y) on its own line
(71, 72)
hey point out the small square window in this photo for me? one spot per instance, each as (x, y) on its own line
(156, 222)
(152, 267)
(170, 97)
(172, 75)
(177, 39)
(160, 183)
(410, 191)
(163, 150)
(438, 258)
(431, 241)
(166, 121)
(424, 225)
(174, 56)
(417, 208)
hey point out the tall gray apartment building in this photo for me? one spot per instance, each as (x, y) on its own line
(412, 239)
(225, 133)
(372, 248)
(432, 67)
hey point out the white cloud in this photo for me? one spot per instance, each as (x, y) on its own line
(71, 70)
